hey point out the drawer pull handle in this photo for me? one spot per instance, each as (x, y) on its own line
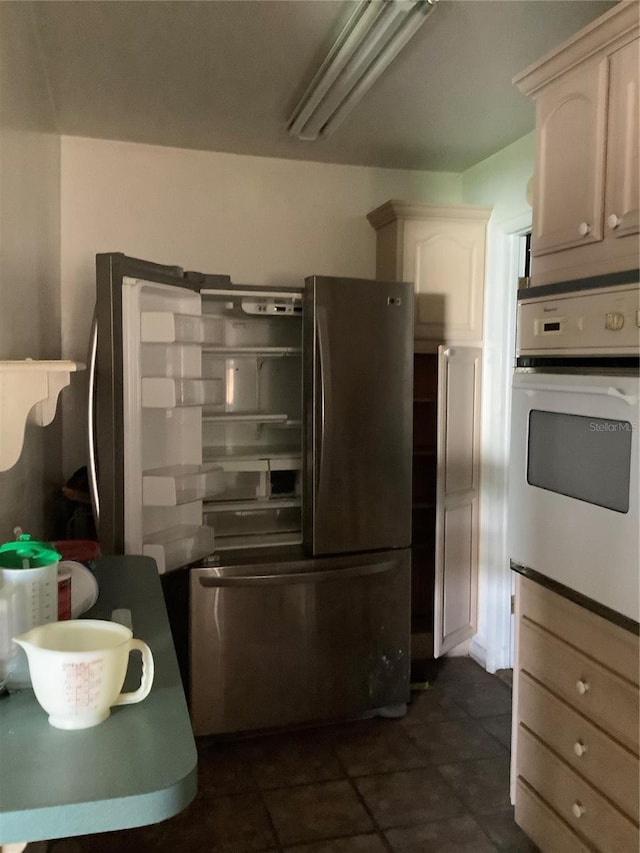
(584, 229)
(577, 809)
(582, 687)
(580, 748)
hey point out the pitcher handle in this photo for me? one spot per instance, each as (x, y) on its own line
(12, 618)
(147, 675)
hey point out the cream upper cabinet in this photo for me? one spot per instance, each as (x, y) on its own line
(622, 201)
(441, 249)
(585, 206)
(570, 120)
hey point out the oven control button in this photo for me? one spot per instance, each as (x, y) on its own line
(614, 321)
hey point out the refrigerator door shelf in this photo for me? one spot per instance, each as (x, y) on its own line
(180, 484)
(178, 546)
(165, 327)
(167, 393)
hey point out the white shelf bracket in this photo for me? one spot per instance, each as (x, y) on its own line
(29, 392)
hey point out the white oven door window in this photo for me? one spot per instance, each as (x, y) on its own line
(582, 457)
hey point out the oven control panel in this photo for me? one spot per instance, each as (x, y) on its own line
(591, 322)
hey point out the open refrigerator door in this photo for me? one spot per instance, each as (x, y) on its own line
(199, 427)
(164, 392)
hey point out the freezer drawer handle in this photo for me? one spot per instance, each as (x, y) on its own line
(299, 577)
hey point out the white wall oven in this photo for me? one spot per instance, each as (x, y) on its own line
(574, 478)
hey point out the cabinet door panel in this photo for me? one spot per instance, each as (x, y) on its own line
(456, 581)
(571, 123)
(445, 259)
(623, 156)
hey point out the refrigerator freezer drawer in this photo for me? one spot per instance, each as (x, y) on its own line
(284, 643)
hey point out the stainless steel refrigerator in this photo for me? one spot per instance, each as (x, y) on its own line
(257, 443)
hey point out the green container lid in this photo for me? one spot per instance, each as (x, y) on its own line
(23, 553)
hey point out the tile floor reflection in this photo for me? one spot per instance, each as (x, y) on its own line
(435, 780)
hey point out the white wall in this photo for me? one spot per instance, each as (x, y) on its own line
(260, 220)
(500, 181)
(29, 257)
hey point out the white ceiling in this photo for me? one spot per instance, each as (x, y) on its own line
(225, 76)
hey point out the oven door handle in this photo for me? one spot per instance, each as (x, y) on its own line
(601, 391)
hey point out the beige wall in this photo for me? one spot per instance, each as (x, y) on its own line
(259, 220)
(29, 256)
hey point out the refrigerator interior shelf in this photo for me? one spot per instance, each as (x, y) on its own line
(249, 453)
(271, 540)
(179, 484)
(289, 423)
(261, 463)
(252, 505)
(267, 352)
(178, 546)
(167, 393)
(165, 327)
(259, 417)
(29, 391)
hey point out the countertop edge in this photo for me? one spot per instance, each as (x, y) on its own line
(578, 598)
(61, 821)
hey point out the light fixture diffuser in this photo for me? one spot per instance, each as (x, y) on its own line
(373, 36)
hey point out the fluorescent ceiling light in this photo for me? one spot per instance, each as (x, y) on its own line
(372, 37)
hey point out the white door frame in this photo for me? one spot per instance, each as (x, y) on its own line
(493, 645)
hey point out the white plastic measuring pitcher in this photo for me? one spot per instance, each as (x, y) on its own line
(78, 668)
(28, 597)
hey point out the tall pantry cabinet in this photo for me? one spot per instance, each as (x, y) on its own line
(442, 249)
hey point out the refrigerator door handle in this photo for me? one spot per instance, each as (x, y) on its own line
(209, 581)
(91, 432)
(323, 399)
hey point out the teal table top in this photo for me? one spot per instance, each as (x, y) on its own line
(137, 767)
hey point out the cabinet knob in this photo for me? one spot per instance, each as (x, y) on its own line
(577, 809)
(583, 229)
(613, 220)
(580, 748)
(582, 687)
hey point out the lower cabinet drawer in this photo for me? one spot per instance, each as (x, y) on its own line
(543, 826)
(610, 768)
(610, 645)
(594, 691)
(589, 814)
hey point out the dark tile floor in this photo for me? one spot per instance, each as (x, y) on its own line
(435, 780)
